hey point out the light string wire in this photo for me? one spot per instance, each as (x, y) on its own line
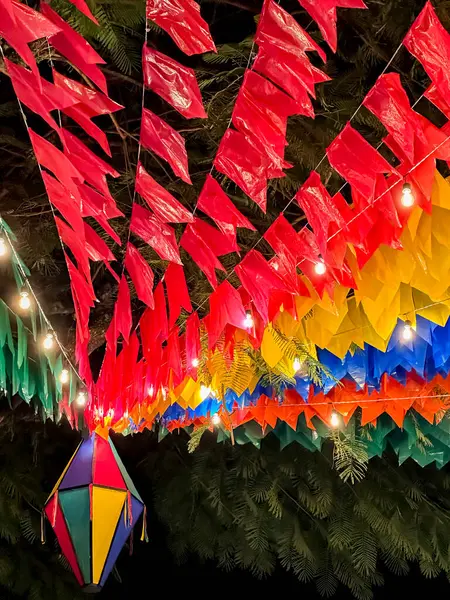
(24, 275)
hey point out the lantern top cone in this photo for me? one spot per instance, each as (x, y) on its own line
(92, 510)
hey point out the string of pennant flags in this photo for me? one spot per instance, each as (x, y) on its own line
(340, 244)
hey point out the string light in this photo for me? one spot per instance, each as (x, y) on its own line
(125, 414)
(151, 390)
(24, 301)
(204, 392)
(407, 195)
(296, 364)
(81, 400)
(334, 419)
(248, 321)
(195, 362)
(314, 435)
(48, 342)
(320, 268)
(215, 419)
(408, 332)
(3, 247)
(64, 376)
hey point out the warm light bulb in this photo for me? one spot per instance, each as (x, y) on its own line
(64, 376)
(320, 268)
(48, 341)
(296, 364)
(24, 301)
(407, 195)
(151, 390)
(125, 414)
(315, 435)
(215, 419)
(334, 419)
(204, 392)
(111, 413)
(195, 362)
(408, 332)
(248, 321)
(3, 247)
(81, 399)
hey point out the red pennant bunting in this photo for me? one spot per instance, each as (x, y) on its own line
(357, 161)
(159, 236)
(226, 308)
(122, 310)
(98, 250)
(75, 48)
(192, 341)
(163, 204)
(93, 205)
(218, 242)
(33, 25)
(84, 8)
(182, 21)
(201, 254)
(215, 203)
(141, 275)
(324, 14)
(320, 210)
(258, 279)
(278, 28)
(429, 42)
(153, 323)
(158, 136)
(64, 201)
(261, 113)
(37, 93)
(54, 160)
(103, 203)
(77, 244)
(241, 161)
(175, 83)
(177, 292)
(173, 355)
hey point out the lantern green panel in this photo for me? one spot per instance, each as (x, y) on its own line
(75, 505)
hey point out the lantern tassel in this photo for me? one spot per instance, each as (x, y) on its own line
(130, 511)
(144, 536)
(131, 543)
(42, 528)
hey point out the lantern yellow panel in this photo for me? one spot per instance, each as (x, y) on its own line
(107, 506)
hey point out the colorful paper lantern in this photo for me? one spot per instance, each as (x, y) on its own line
(93, 509)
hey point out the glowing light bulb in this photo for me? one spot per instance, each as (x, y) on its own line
(48, 341)
(81, 400)
(408, 332)
(111, 413)
(151, 390)
(204, 392)
(315, 435)
(215, 419)
(3, 247)
(296, 364)
(195, 362)
(24, 301)
(125, 414)
(334, 419)
(248, 321)
(407, 195)
(320, 268)
(64, 376)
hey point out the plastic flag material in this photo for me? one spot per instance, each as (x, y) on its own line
(215, 203)
(93, 509)
(182, 21)
(175, 83)
(240, 160)
(177, 292)
(159, 137)
(201, 254)
(141, 274)
(324, 14)
(84, 8)
(75, 48)
(159, 236)
(166, 208)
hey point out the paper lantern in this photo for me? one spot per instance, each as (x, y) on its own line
(92, 510)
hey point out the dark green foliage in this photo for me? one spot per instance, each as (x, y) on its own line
(253, 509)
